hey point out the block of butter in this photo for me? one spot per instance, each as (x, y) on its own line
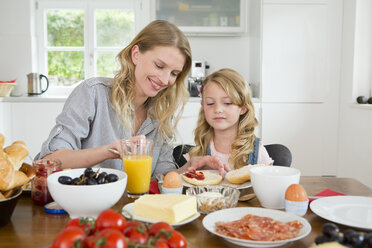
(171, 208)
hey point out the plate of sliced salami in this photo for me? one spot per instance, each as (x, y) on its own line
(256, 227)
(209, 177)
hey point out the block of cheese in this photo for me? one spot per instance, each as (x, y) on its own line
(171, 208)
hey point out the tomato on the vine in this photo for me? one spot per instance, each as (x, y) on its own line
(134, 223)
(86, 224)
(107, 238)
(69, 237)
(137, 235)
(177, 240)
(110, 219)
(160, 229)
(161, 243)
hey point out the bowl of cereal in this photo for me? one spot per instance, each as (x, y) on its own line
(211, 198)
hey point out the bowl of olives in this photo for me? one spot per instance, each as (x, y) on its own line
(87, 192)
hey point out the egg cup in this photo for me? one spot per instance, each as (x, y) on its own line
(296, 207)
(171, 190)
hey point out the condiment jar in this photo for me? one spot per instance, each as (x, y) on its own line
(39, 187)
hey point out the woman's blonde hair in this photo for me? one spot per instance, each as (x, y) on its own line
(165, 104)
(239, 92)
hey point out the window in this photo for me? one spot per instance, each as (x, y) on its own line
(80, 39)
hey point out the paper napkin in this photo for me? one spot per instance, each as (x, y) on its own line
(326, 192)
(154, 189)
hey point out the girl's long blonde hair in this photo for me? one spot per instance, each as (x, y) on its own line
(165, 104)
(240, 94)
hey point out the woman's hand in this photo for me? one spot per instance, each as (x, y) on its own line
(116, 145)
(197, 162)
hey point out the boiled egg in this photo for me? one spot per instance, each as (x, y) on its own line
(172, 180)
(296, 192)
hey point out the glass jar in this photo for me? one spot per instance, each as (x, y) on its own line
(39, 187)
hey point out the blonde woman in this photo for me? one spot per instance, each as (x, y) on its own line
(141, 101)
(226, 124)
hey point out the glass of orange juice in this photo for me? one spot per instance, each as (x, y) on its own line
(137, 161)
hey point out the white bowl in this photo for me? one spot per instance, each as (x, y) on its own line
(270, 183)
(86, 200)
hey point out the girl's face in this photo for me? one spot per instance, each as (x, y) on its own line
(219, 110)
(156, 69)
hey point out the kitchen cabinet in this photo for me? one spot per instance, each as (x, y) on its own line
(206, 17)
(28, 121)
(5, 122)
(32, 122)
(301, 53)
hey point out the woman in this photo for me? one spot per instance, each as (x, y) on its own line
(139, 102)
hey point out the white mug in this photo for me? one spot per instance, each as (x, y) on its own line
(270, 183)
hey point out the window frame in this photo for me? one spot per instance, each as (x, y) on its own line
(90, 49)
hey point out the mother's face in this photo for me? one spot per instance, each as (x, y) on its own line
(156, 69)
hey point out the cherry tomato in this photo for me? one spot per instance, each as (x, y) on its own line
(85, 224)
(161, 243)
(160, 229)
(107, 238)
(135, 224)
(137, 235)
(177, 240)
(110, 219)
(69, 237)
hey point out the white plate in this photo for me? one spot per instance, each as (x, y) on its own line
(354, 211)
(224, 182)
(232, 214)
(130, 208)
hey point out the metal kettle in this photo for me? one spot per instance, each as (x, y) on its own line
(34, 83)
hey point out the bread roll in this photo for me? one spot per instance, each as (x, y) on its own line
(2, 140)
(211, 178)
(17, 152)
(240, 175)
(11, 159)
(6, 173)
(11, 178)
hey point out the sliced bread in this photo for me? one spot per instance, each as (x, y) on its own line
(211, 178)
(240, 175)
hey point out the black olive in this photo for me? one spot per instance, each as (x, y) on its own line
(111, 178)
(65, 179)
(321, 239)
(330, 230)
(76, 181)
(352, 237)
(367, 240)
(356, 239)
(101, 178)
(88, 172)
(91, 181)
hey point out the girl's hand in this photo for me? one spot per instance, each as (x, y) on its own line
(209, 161)
(116, 145)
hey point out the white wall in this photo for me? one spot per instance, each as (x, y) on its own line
(16, 41)
(355, 130)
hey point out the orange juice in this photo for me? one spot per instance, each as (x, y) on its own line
(138, 169)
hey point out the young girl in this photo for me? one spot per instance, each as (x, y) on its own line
(226, 123)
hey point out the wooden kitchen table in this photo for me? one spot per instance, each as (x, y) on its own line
(30, 226)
